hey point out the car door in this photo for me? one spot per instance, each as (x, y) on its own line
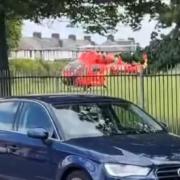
(33, 156)
(8, 112)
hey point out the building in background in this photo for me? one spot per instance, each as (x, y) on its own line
(55, 48)
(113, 46)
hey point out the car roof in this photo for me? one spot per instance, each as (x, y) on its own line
(65, 98)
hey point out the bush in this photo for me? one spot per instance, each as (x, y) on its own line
(36, 67)
(130, 58)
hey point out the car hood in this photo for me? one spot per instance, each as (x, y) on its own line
(144, 149)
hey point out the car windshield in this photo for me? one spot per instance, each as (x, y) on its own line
(104, 119)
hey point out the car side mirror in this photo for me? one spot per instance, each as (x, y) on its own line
(38, 133)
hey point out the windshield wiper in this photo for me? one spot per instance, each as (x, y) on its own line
(117, 133)
(133, 131)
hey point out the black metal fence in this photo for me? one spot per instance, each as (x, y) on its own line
(157, 93)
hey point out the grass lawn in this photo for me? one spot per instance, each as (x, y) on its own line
(160, 93)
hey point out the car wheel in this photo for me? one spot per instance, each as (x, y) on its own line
(78, 175)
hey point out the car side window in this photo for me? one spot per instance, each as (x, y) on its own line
(7, 115)
(35, 116)
(129, 119)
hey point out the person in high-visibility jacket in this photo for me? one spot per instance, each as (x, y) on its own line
(145, 58)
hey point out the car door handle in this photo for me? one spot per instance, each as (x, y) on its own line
(12, 148)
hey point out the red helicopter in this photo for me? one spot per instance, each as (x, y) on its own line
(92, 67)
(121, 67)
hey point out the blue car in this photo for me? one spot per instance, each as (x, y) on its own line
(83, 137)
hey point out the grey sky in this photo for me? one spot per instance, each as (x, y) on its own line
(49, 26)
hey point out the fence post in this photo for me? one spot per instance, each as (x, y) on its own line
(57, 84)
(5, 83)
(141, 92)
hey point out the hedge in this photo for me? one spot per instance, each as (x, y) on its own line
(36, 67)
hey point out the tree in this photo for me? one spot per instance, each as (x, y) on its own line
(163, 54)
(96, 16)
(131, 57)
(14, 28)
(170, 14)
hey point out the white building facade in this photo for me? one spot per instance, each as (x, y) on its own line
(55, 48)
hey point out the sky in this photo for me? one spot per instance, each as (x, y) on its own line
(47, 27)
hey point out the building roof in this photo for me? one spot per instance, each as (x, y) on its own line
(109, 43)
(28, 43)
(74, 44)
(37, 42)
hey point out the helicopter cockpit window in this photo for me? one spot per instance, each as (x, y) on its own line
(96, 69)
(74, 66)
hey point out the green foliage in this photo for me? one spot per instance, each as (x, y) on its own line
(129, 57)
(170, 14)
(95, 15)
(103, 17)
(37, 67)
(13, 28)
(164, 53)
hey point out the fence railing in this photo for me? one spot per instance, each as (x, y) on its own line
(158, 93)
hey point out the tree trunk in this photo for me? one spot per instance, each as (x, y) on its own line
(5, 88)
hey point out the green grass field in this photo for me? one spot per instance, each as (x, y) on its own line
(161, 93)
(161, 96)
